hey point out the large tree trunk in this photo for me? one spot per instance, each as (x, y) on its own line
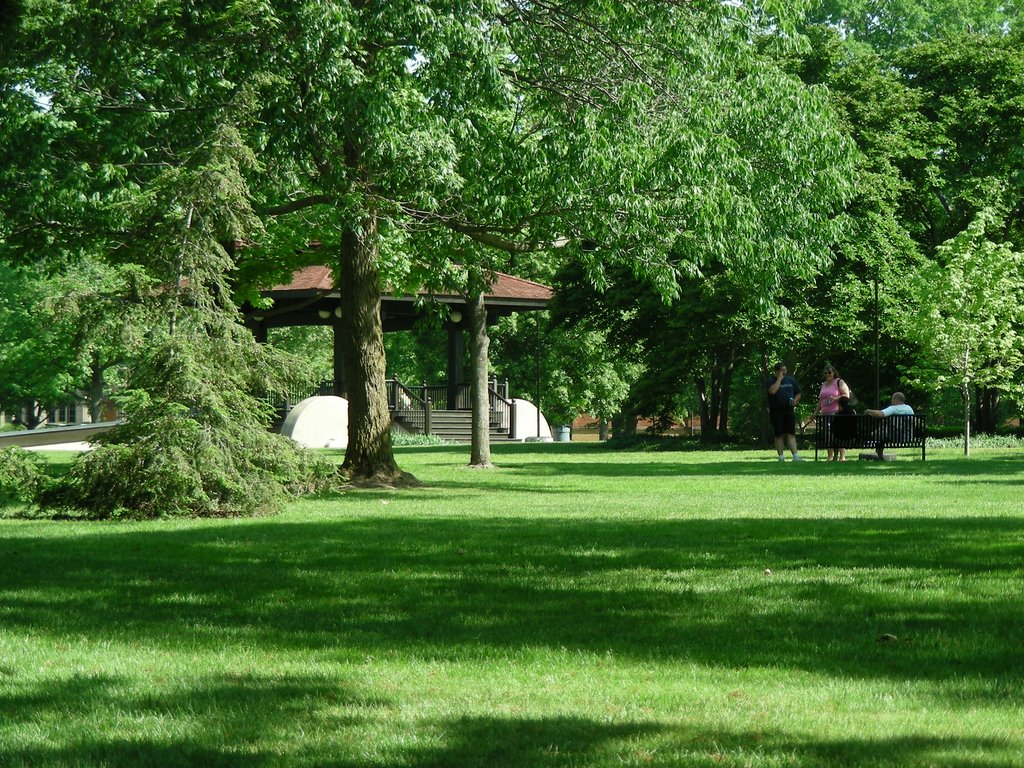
(33, 413)
(624, 423)
(713, 399)
(716, 399)
(988, 409)
(479, 344)
(703, 408)
(726, 366)
(369, 458)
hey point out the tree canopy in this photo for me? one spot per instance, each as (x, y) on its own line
(371, 126)
(756, 164)
(968, 316)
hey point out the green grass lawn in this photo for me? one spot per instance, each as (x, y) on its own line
(575, 606)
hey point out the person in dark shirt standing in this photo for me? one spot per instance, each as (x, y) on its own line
(783, 395)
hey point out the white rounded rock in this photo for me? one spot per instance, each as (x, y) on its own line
(318, 422)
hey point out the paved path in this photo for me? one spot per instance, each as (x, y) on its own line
(75, 438)
(60, 447)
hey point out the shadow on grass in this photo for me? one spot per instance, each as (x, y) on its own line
(465, 588)
(555, 459)
(568, 741)
(226, 719)
(493, 742)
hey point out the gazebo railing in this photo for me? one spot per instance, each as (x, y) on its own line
(413, 404)
(288, 400)
(446, 397)
(408, 407)
(503, 415)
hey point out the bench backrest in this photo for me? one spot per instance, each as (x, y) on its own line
(863, 431)
(902, 430)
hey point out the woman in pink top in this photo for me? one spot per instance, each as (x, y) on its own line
(832, 388)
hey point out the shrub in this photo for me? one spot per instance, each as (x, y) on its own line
(402, 438)
(22, 475)
(194, 444)
(979, 440)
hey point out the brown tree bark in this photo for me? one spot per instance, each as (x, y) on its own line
(988, 409)
(713, 398)
(369, 458)
(624, 422)
(479, 344)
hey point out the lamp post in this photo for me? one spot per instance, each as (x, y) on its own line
(878, 400)
(537, 371)
(455, 357)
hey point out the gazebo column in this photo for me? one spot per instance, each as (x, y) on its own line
(456, 347)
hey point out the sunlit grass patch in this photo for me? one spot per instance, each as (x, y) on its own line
(573, 607)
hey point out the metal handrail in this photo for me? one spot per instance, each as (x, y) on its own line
(502, 410)
(408, 408)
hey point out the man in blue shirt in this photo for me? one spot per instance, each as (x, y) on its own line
(783, 395)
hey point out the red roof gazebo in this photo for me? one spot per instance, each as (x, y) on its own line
(311, 297)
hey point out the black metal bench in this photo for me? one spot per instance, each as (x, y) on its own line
(863, 431)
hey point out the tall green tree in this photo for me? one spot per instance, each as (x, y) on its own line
(742, 258)
(969, 317)
(936, 115)
(136, 156)
(850, 317)
(524, 127)
(515, 126)
(195, 439)
(970, 116)
(62, 334)
(893, 25)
